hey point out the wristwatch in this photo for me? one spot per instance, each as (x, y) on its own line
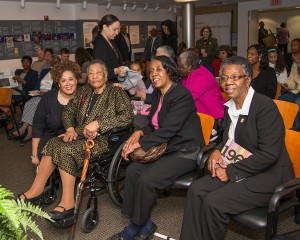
(33, 155)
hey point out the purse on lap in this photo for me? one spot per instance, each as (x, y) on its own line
(154, 153)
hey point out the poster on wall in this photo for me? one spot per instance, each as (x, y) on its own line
(134, 32)
(220, 24)
(87, 33)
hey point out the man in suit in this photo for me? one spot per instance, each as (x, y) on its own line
(152, 44)
(123, 43)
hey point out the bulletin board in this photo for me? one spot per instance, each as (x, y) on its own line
(19, 38)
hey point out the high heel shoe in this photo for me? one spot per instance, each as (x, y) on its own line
(37, 201)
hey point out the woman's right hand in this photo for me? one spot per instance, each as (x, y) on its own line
(35, 161)
(69, 135)
(214, 159)
(131, 142)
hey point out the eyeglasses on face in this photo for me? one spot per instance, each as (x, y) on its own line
(234, 78)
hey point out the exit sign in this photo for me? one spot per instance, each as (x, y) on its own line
(275, 2)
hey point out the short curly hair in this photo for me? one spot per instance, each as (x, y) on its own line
(59, 68)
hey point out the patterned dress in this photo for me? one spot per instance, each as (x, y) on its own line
(112, 109)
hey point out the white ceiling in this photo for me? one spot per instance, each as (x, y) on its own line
(164, 4)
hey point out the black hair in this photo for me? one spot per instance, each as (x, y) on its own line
(26, 57)
(227, 49)
(171, 27)
(64, 51)
(170, 66)
(279, 65)
(264, 62)
(107, 20)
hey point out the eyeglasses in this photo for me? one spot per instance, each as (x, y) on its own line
(234, 78)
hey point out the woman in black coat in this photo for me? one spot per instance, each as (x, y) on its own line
(173, 120)
(105, 48)
(169, 35)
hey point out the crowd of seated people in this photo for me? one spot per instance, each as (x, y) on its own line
(59, 122)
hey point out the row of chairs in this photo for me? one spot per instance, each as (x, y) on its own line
(285, 196)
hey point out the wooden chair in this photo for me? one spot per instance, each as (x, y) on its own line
(288, 112)
(286, 196)
(278, 91)
(6, 106)
(225, 96)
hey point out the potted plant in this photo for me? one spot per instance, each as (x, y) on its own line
(16, 217)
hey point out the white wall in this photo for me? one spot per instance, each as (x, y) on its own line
(36, 11)
(273, 20)
(244, 8)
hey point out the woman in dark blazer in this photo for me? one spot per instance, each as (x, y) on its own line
(264, 78)
(105, 48)
(47, 120)
(26, 79)
(173, 121)
(169, 35)
(253, 121)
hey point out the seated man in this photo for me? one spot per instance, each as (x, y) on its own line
(253, 121)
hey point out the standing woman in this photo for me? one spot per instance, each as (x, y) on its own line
(264, 79)
(173, 121)
(105, 48)
(169, 35)
(207, 46)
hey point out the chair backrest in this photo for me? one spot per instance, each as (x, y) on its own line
(5, 97)
(225, 96)
(288, 112)
(292, 142)
(278, 91)
(207, 124)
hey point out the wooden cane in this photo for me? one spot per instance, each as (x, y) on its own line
(89, 144)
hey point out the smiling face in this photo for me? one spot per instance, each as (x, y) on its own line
(67, 83)
(159, 76)
(97, 77)
(295, 47)
(205, 33)
(111, 31)
(26, 64)
(235, 89)
(253, 56)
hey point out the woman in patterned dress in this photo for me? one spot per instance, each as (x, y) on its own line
(95, 109)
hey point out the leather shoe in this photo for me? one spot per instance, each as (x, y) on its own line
(146, 232)
(37, 201)
(56, 215)
(24, 141)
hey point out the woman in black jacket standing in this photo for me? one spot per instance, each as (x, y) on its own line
(105, 48)
(169, 35)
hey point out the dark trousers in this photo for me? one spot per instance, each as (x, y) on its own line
(209, 204)
(142, 180)
(283, 48)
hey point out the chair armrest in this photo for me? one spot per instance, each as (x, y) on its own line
(121, 129)
(283, 191)
(201, 159)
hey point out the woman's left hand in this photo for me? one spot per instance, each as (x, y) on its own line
(126, 151)
(221, 174)
(91, 130)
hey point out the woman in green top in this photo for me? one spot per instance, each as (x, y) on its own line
(207, 46)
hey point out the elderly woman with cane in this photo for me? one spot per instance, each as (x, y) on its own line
(95, 109)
